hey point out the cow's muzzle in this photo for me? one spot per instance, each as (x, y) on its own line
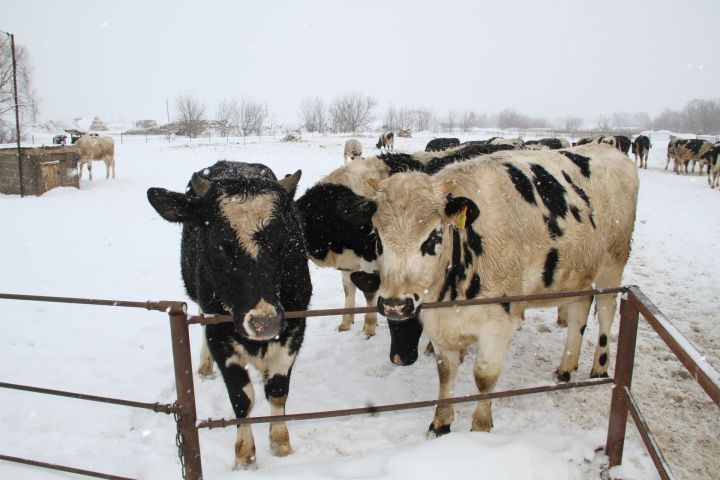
(263, 322)
(396, 308)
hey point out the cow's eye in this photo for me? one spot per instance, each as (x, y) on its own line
(434, 239)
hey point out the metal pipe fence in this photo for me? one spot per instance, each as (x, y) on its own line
(633, 303)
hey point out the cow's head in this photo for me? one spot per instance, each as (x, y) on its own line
(235, 233)
(416, 221)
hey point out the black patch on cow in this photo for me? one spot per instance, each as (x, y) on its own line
(277, 386)
(622, 143)
(456, 273)
(603, 359)
(322, 208)
(366, 282)
(579, 191)
(603, 340)
(522, 183)
(551, 263)
(582, 330)
(592, 220)
(401, 162)
(694, 145)
(581, 161)
(428, 246)
(474, 288)
(506, 307)
(454, 205)
(575, 213)
(553, 228)
(466, 152)
(475, 241)
(551, 192)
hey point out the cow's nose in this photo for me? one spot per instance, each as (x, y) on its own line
(395, 308)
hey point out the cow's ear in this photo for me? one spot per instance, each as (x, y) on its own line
(461, 210)
(367, 282)
(172, 206)
(355, 210)
(290, 183)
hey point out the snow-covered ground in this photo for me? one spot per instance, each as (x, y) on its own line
(105, 241)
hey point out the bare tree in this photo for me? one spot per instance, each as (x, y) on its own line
(224, 115)
(469, 120)
(573, 124)
(424, 118)
(27, 97)
(450, 121)
(249, 116)
(190, 114)
(351, 112)
(390, 122)
(312, 114)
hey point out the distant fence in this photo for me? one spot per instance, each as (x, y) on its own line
(632, 304)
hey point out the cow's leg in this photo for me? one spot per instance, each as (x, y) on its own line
(89, 167)
(206, 361)
(349, 289)
(577, 315)
(239, 388)
(277, 386)
(605, 306)
(562, 316)
(493, 343)
(370, 318)
(447, 365)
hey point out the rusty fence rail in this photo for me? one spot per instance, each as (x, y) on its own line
(633, 302)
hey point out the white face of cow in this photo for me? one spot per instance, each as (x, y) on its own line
(415, 230)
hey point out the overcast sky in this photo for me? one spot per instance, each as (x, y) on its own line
(122, 60)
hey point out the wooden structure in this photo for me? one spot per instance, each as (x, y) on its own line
(43, 168)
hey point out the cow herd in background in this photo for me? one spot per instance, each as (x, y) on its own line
(685, 153)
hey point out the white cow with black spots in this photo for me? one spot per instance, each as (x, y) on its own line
(510, 223)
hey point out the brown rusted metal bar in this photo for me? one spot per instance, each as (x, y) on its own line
(211, 423)
(156, 407)
(187, 439)
(51, 466)
(624, 364)
(162, 306)
(662, 466)
(684, 350)
(212, 319)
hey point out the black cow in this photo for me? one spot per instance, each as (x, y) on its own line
(243, 253)
(59, 139)
(641, 150)
(622, 143)
(441, 144)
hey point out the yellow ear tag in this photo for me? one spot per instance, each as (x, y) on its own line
(461, 218)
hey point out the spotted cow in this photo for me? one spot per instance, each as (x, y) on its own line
(386, 141)
(242, 253)
(547, 144)
(515, 142)
(641, 150)
(346, 242)
(353, 149)
(684, 151)
(713, 165)
(510, 223)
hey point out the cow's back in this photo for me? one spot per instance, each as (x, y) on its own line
(534, 203)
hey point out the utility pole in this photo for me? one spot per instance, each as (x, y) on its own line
(17, 111)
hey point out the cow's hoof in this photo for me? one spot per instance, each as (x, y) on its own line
(344, 327)
(206, 371)
(434, 432)
(245, 463)
(369, 331)
(281, 450)
(599, 375)
(563, 376)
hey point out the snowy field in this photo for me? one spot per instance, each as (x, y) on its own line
(105, 241)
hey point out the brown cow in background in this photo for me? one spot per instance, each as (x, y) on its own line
(96, 148)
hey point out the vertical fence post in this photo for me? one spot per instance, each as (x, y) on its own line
(188, 440)
(623, 378)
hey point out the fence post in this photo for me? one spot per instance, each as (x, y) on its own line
(623, 378)
(188, 439)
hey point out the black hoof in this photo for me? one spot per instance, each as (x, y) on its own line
(563, 377)
(438, 432)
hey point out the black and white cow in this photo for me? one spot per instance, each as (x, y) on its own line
(386, 141)
(684, 151)
(641, 150)
(347, 243)
(713, 165)
(551, 143)
(243, 253)
(59, 139)
(510, 223)
(441, 144)
(622, 143)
